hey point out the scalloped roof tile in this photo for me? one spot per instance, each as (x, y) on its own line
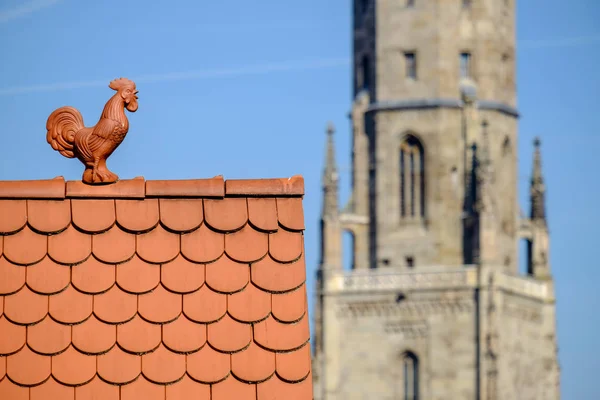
(159, 290)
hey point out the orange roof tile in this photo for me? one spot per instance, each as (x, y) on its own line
(159, 290)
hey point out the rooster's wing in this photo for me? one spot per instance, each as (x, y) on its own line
(100, 137)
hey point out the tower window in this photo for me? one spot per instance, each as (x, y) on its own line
(410, 3)
(411, 376)
(465, 65)
(410, 262)
(410, 63)
(364, 5)
(467, 3)
(506, 146)
(364, 74)
(412, 178)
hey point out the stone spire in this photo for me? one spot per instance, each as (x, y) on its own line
(331, 234)
(537, 189)
(331, 242)
(330, 176)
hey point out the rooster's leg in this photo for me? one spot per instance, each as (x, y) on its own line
(105, 175)
(95, 171)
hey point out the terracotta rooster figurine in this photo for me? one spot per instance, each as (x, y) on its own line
(93, 145)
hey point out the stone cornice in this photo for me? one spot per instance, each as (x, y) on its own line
(384, 308)
(423, 104)
(466, 277)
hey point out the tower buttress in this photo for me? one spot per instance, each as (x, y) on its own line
(539, 246)
(331, 246)
(330, 178)
(485, 201)
(537, 190)
(331, 257)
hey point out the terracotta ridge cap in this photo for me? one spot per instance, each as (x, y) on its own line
(212, 187)
(123, 189)
(139, 188)
(33, 189)
(292, 186)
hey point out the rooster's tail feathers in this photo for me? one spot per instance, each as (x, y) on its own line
(62, 125)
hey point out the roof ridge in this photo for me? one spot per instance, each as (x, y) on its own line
(139, 188)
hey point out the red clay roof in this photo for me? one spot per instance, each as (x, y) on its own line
(154, 290)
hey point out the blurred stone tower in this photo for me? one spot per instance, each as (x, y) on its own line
(434, 306)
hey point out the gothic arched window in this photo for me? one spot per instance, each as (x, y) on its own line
(411, 376)
(412, 178)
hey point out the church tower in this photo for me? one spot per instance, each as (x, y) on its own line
(434, 306)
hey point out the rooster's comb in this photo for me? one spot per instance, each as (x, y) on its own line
(120, 83)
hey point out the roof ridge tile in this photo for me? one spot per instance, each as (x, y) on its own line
(34, 189)
(124, 189)
(213, 187)
(293, 186)
(139, 188)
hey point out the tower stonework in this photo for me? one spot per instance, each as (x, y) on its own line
(434, 306)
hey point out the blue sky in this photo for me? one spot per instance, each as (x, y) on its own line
(245, 89)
